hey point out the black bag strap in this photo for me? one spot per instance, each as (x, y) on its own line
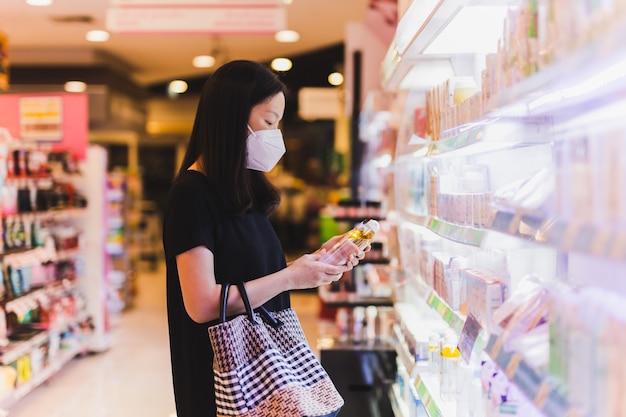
(267, 317)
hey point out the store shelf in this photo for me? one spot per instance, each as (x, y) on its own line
(535, 386)
(398, 405)
(458, 233)
(401, 349)
(349, 299)
(566, 236)
(452, 318)
(427, 387)
(16, 350)
(595, 73)
(458, 137)
(421, 25)
(63, 357)
(374, 345)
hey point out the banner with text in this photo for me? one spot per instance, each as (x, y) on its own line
(231, 20)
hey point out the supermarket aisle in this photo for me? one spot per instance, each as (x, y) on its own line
(133, 377)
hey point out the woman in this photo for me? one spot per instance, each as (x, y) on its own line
(216, 228)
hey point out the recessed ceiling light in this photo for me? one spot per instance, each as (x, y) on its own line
(75, 87)
(177, 87)
(281, 64)
(97, 36)
(39, 2)
(335, 78)
(203, 61)
(287, 36)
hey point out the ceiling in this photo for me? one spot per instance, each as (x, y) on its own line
(37, 37)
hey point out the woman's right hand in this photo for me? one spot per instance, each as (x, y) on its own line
(308, 272)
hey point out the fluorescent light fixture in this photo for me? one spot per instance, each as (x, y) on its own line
(97, 36)
(203, 61)
(281, 64)
(287, 36)
(75, 87)
(39, 2)
(177, 87)
(335, 78)
(474, 29)
(426, 74)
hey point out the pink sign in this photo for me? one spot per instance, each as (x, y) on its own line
(234, 20)
(74, 119)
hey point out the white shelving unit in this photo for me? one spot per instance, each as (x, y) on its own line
(554, 208)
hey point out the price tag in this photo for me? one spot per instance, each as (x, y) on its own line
(433, 411)
(469, 334)
(421, 390)
(441, 309)
(556, 233)
(542, 395)
(502, 221)
(511, 367)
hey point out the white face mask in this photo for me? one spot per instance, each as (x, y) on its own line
(264, 149)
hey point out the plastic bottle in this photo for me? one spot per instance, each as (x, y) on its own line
(434, 354)
(360, 237)
(449, 367)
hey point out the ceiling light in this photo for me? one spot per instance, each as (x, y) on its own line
(203, 61)
(97, 36)
(281, 64)
(39, 2)
(287, 36)
(335, 78)
(177, 87)
(287, 1)
(75, 87)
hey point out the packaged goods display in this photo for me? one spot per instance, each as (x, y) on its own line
(510, 207)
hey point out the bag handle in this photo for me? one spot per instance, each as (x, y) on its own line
(267, 317)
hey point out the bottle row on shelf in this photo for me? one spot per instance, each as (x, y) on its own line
(39, 195)
(26, 231)
(535, 39)
(355, 210)
(363, 285)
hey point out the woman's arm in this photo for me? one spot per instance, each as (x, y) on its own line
(201, 293)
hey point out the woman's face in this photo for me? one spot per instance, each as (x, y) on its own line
(268, 114)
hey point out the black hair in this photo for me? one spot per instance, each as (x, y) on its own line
(218, 137)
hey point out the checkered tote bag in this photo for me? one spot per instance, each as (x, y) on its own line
(264, 366)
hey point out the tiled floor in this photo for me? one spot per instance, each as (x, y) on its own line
(133, 377)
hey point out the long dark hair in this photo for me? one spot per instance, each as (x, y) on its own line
(218, 138)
